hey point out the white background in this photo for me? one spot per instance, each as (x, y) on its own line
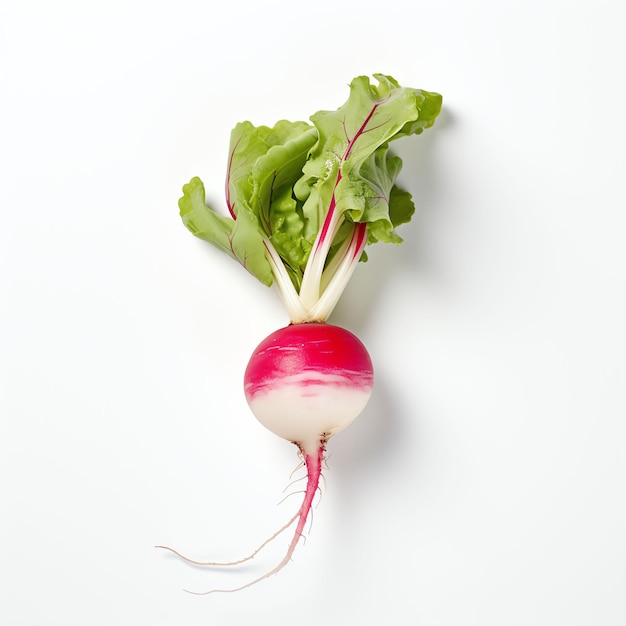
(484, 484)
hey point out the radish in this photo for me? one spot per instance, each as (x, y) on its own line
(304, 200)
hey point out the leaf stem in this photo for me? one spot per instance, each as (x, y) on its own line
(286, 290)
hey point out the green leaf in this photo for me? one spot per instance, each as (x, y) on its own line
(241, 239)
(263, 165)
(401, 210)
(282, 180)
(201, 220)
(261, 157)
(351, 161)
(280, 213)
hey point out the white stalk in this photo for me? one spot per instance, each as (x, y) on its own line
(287, 292)
(334, 264)
(326, 303)
(311, 279)
(321, 288)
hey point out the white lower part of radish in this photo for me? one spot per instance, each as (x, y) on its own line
(310, 407)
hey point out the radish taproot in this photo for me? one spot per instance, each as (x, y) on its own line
(304, 200)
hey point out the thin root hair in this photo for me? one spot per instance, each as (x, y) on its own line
(325, 461)
(275, 570)
(314, 469)
(230, 563)
(293, 482)
(299, 466)
(325, 486)
(293, 493)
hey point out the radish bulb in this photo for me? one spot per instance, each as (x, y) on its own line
(304, 201)
(306, 382)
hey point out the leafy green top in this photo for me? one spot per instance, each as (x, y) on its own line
(305, 199)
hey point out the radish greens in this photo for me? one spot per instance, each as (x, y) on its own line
(300, 195)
